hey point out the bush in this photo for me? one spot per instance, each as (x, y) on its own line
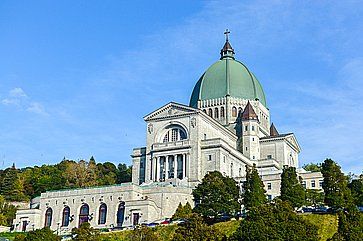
(44, 234)
(275, 222)
(196, 230)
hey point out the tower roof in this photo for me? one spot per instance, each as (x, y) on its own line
(227, 77)
(273, 130)
(249, 113)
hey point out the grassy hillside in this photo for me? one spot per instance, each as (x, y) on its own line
(328, 225)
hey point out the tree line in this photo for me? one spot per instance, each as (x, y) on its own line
(26, 183)
(218, 195)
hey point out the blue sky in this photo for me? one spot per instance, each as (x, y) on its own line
(76, 77)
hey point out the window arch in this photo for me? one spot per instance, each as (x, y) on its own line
(216, 113)
(222, 112)
(65, 216)
(84, 214)
(102, 214)
(174, 134)
(120, 214)
(210, 112)
(48, 217)
(234, 111)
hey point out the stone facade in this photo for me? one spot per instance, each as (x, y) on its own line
(183, 144)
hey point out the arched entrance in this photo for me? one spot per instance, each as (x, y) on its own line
(120, 214)
(83, 214)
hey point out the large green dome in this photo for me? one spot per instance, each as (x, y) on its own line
(227, 77)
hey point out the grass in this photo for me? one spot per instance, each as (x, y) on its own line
(7, 235)
(327, 224)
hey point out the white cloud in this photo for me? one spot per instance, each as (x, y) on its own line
(17, 93)
(37, 108)
(19, 99)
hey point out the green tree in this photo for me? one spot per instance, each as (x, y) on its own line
(312, 167)
(182, 211)
(144, 234)
(85, 233)
(291, 189)
(253, 189)
(335, 185)
(275, 221)
(7, 212)
(107, 173)
(350, 227)
(11, 186)
(356, 188)
(124, 173)
(196, 230)
(44, 234)
(314, 197)
(216, 195)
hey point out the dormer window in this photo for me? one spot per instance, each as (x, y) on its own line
(174, 134)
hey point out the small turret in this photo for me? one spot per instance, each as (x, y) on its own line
(250, 133)
(273, 130)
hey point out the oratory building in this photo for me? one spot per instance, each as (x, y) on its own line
(225, 128)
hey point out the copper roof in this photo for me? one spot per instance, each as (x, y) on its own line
(273, 130)
(249, 113)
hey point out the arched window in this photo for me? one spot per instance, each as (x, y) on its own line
(174, 134)
(205, 111)
(216, 113)
(102, 214)
(83, 214)
(48, 217)
(222, 112)
(65, 216)
(234, 111)
(210, 112)
(120, 214)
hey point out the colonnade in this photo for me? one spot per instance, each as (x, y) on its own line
(168, 166)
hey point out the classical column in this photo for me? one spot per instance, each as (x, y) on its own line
(150, 174)
(166, 167)
(157, 167)
(175, 166)
(183, 165)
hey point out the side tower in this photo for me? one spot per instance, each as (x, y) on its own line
(250, 133)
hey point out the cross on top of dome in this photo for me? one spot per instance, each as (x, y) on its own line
(227, 50)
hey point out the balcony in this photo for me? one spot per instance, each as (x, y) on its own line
(171, 145)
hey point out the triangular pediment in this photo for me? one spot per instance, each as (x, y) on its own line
(291, 139)
(170, 110)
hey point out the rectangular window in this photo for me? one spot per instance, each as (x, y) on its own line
(209, 157)
(269, 156)
(253, 139)
(269, 197)
(303, 183)
(321, 183)
(174, 134)
(269, 186)
(246, 128)
(253, 128)
(313, 183)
